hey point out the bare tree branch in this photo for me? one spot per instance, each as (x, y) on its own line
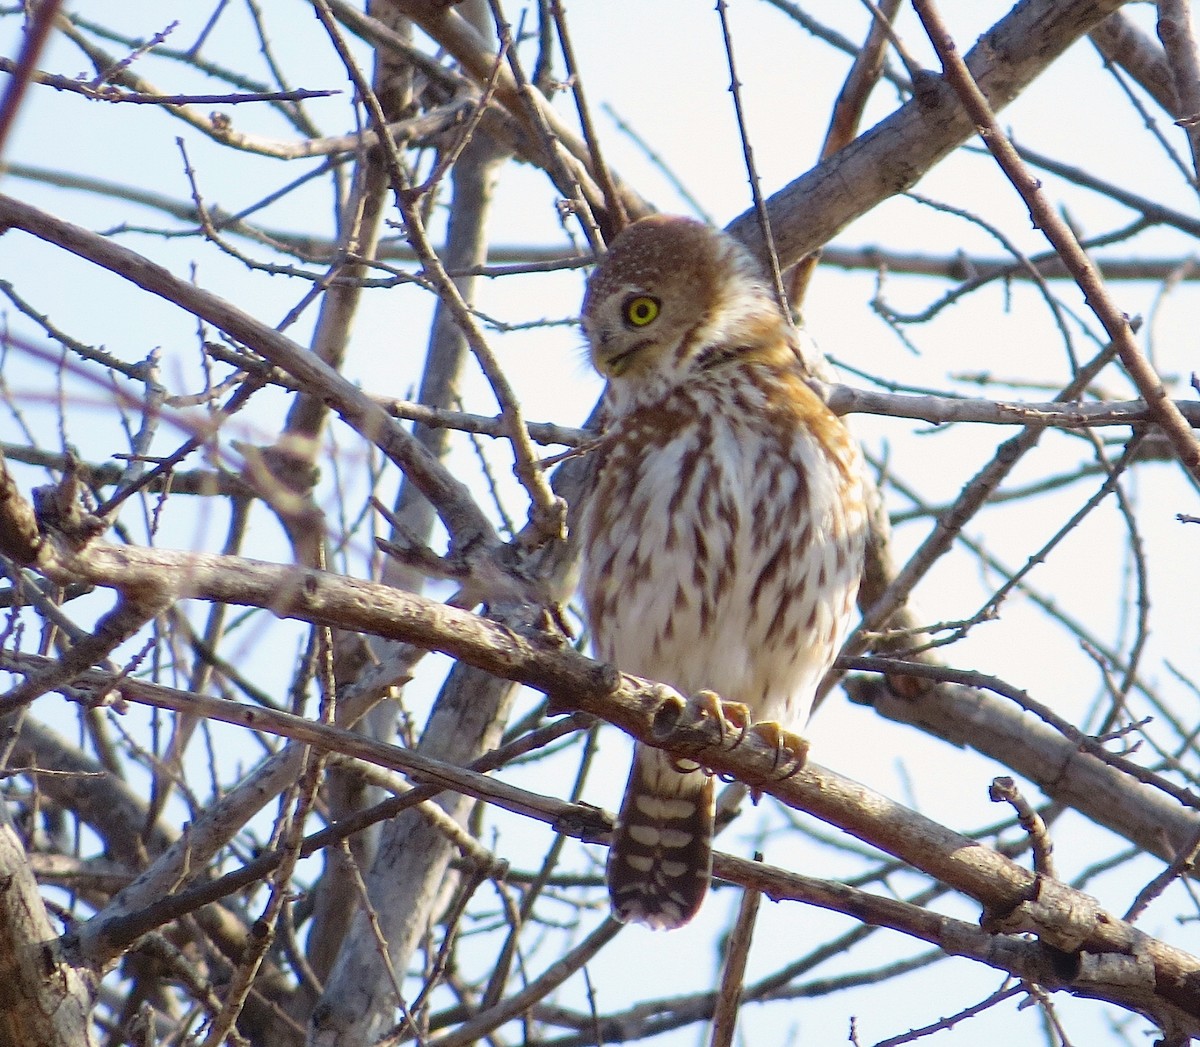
(894, 154)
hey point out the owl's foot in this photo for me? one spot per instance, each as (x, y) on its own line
(791, 751)
(730, 716)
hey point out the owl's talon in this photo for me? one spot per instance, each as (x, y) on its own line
(790, 749)
(727, 714)
(739, 715)
(708, 703)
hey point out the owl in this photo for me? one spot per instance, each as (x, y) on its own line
(723, 541)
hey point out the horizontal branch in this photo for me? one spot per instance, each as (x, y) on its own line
(978, 268)
(111, 93)
(846, 400)
(1024, 958)
(508, 259)
(939, 410)
(427, 125)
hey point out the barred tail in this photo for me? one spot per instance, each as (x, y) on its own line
(660, 862)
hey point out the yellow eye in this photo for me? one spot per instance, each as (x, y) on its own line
(641, 310)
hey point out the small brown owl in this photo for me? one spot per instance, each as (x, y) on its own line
(723, 542)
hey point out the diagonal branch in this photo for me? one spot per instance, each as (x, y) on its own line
(896, 153)
(462, 517)
(1101, 955)
(1107, 796)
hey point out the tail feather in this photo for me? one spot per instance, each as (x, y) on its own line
(660, 862)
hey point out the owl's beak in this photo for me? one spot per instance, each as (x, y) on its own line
(615, 366)
(610, 360)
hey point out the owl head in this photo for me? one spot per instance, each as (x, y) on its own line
(672, 298)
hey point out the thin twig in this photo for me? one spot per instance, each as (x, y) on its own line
(548, 512)
(534, 110)
(454, 502)
(617, 218)
(1181, 865)
(760, 206)
(472, 1031)
(1004, 790)
(848, 109)
(942, 1024)
(1179, 45)
(109, 93)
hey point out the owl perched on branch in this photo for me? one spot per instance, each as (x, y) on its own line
(723, 543)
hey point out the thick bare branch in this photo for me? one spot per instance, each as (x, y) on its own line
(1103, 956)
(45, 996)
(895, 154)
(578, 682)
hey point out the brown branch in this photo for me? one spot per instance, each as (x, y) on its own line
(134, 608)
(951, 1020)
(529, 104)
(290, 830)
(618, 219)
(886, 590)
(733, 970)
(1004, 790)
(428, 125)
(516, 259)
(842, 399)
(1182, 864)
(37, 31)
(939, 410)
(222, 130)
(156, 897)
(1051, 753)
(47, 994)
(1150, 210)
(1110, 952)
(843, 127)
(569, 678)
(474, 1029)
(20, 539)
(110, 807)
(893, 155)
(955, 937)
(1121, 42)
(477, 59)
(1179, 46)
(770, 256)
(547, 513)
(1113, 960)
